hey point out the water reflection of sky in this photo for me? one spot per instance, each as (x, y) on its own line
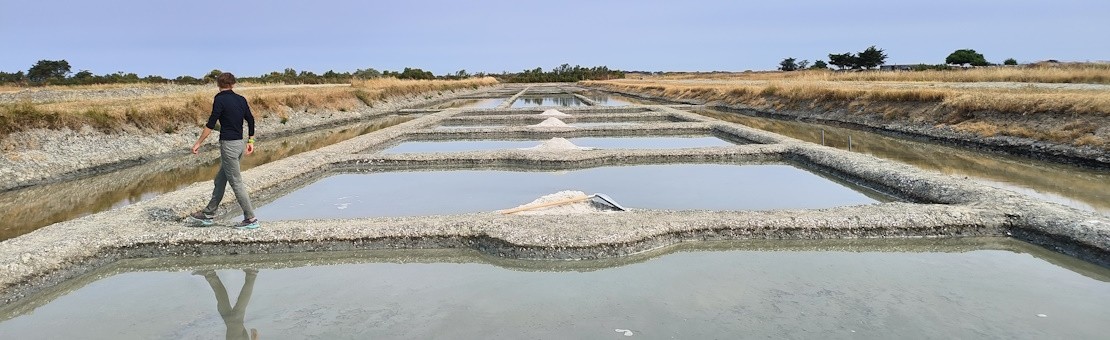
(1076, 187)
(688, 294)
(527, 101)
(673, 186)
(593, 142)
(606, 100)
(484, 103)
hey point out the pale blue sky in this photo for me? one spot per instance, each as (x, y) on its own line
(172, 38)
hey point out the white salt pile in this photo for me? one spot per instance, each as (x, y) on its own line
(578, 203)
(551, 122)
(556, 144)
(554, 113)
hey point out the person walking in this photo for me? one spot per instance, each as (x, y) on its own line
(230, 109)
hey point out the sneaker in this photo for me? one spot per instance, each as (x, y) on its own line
(248, 224)
(202, 218)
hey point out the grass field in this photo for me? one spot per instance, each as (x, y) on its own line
(167, 112)
(991, 106)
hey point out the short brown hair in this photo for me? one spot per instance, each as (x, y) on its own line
(224, 80)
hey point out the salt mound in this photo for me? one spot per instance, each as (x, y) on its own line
(554, 113)
(551, 122)
(584, 206)
(556, 144)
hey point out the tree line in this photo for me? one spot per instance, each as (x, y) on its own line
(562, 73)
(869, 58)
(874, 57)
(59, 72)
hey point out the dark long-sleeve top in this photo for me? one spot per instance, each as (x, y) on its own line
(231, 109)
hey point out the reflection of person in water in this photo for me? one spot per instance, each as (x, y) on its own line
(233, 316)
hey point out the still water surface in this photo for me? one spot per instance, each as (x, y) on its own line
(699, 291)
(528, 101)
(483, 103)
(583, 124)
(609, 100)
(1077, 187)
(593, 142)
(671, 186)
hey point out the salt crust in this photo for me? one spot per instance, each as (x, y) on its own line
(551, 122)
(584, 206)
(554, 113)
(556, 144)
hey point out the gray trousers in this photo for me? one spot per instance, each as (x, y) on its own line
(231, 151)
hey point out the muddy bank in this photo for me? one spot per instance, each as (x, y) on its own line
(48, 156)
(892, 120)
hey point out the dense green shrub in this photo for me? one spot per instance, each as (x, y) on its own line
(966, 56)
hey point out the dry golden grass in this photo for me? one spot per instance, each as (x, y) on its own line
(168, 112)
(1058, 115)
(1087, 73)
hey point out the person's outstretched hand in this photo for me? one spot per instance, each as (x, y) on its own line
(196, 147)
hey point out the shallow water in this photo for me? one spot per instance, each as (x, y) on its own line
(1073, 186)
(593, 142)
(25, 210)
(530, 101)
(449, 127)
(610, 100)
(719, 291)
(483, 103)
(672, 186)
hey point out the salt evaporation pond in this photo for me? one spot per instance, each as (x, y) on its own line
(483, 103)
(722, 292)
(671, 186)
(529, 101)
(594, 142)
(607, 100)
(572, 124)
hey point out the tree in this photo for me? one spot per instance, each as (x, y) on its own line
(415, 73)
(45, 70)
(788, 64)
(83, 74)
(803, 64)
(84, 77)
(211, 76)
(819, 65)
(842, 60)
(966, 56)
(871, 58)
(367, 73)
(12, 78)
(1010, 62)
(190, 80)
